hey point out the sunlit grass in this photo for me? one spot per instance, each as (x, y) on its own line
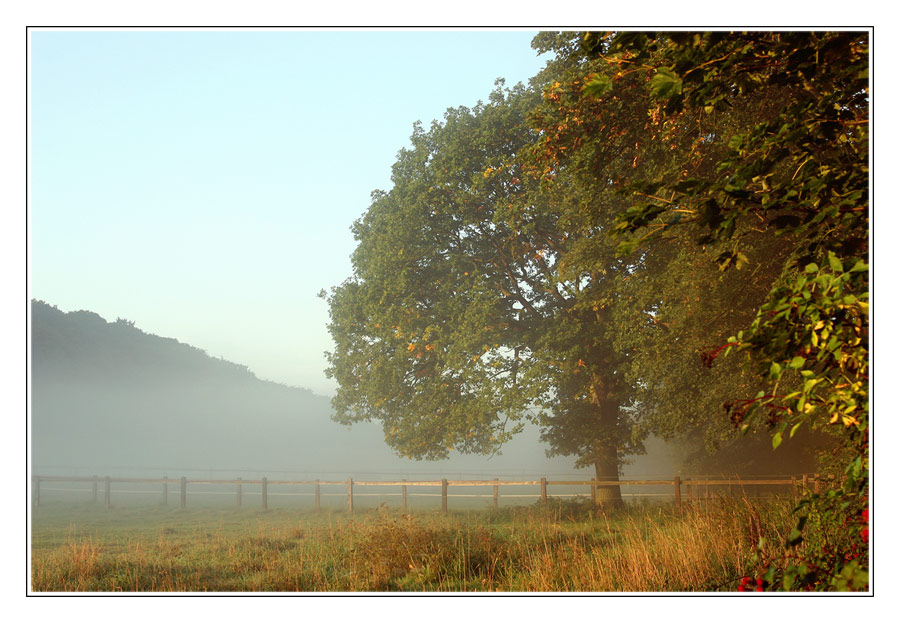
(548, 548)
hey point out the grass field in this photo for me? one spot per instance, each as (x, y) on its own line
(558, 546)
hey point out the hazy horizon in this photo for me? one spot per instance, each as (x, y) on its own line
(110, 397)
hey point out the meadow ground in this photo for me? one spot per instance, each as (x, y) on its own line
(551, 547)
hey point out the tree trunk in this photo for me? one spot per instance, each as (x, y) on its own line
(606, 467)
(606, 455)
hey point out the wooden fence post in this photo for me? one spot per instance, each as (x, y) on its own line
(265, 493)
(183, 492)
(240, 492)
(95, 487)
(496, 494)
(443, 495)
(36, 490)
(805, 484)
(403, 504)
(817, 484)
(677, 483)
(794, 487)
(318, 497)
(106, 492)
(593, 492)
(349, 495)
(165, 490)
(543, 489)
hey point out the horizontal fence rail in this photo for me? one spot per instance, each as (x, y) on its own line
(697, 487)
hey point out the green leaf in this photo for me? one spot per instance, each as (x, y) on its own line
(835, 263)
(775, 370)
(735, 141)
(797, 362)
(795, 427)
(812, 267)
(776, 440)
(665, 83)
(598, 86)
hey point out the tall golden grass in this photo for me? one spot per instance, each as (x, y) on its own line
(554, 547)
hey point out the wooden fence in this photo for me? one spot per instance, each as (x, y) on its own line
(692, 487)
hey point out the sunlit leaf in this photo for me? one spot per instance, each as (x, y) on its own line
(598, 86)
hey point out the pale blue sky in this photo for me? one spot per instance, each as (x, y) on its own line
(202, 183)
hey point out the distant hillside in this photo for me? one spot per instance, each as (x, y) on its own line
(108, 394)
(82, 346)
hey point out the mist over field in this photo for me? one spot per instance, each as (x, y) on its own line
(106, 395)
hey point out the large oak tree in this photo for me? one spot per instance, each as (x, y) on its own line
(462, 318)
